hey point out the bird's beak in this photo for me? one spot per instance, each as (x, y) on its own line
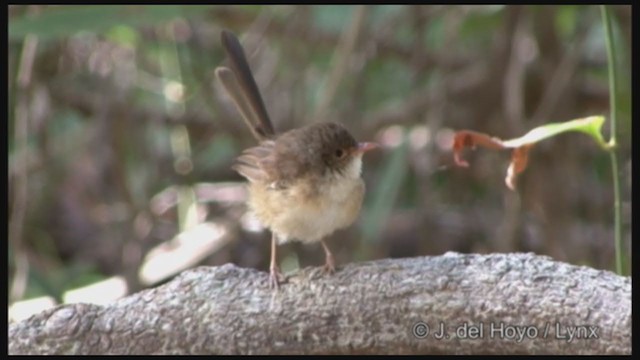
(363, 147)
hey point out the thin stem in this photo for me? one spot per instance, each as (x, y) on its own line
(613, 84)
(611, 59)
(617, 209)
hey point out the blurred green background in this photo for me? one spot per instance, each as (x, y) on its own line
(121, 141)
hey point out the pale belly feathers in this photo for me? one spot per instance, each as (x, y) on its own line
(316, 211)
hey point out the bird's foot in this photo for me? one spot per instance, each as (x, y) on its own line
(330, 265)
(275, 278)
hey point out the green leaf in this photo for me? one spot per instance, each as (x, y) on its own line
(590, 126)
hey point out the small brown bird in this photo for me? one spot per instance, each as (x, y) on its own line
(304, 184)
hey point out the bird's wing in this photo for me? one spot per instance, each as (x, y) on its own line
(255, 163)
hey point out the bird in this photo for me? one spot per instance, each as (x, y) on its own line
(304, 183)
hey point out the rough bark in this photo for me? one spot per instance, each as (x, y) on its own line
(523, 303)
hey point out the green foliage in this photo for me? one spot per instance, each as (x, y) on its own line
(382, 199)
(390, 81)
(332, 18)
(479, 25)
(69, 20)
(124, 35)
(217, 152)
(567, 19)
(382, 13)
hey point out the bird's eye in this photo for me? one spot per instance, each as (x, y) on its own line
(339, 153)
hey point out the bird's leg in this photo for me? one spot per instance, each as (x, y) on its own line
(275, 276)
(330, 265)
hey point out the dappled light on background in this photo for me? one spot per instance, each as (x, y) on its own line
(183, 252)
(391, 137)
(23, 309)
(444, 139)
(250, 223)
(174, 91)
(227, 192)
(419, 137)
(100, 293)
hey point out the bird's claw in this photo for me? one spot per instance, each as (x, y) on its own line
(329, 266)
(275, 278)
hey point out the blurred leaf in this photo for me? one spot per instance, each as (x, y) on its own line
(57, 280)
(218, 151)
(290, 263)
(157, 139)
(123, 35)
(435, 34)
(388, 79)
(479, 25)
(594, 46)
(43, 285)
(66, 133)
(66, 122)
(81, 274)
(332, 18)
(380, 13)
(566, 20)
(68, 20)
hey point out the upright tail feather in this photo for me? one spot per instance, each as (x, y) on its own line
(242, 87)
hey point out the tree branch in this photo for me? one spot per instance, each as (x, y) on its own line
(523, 303)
